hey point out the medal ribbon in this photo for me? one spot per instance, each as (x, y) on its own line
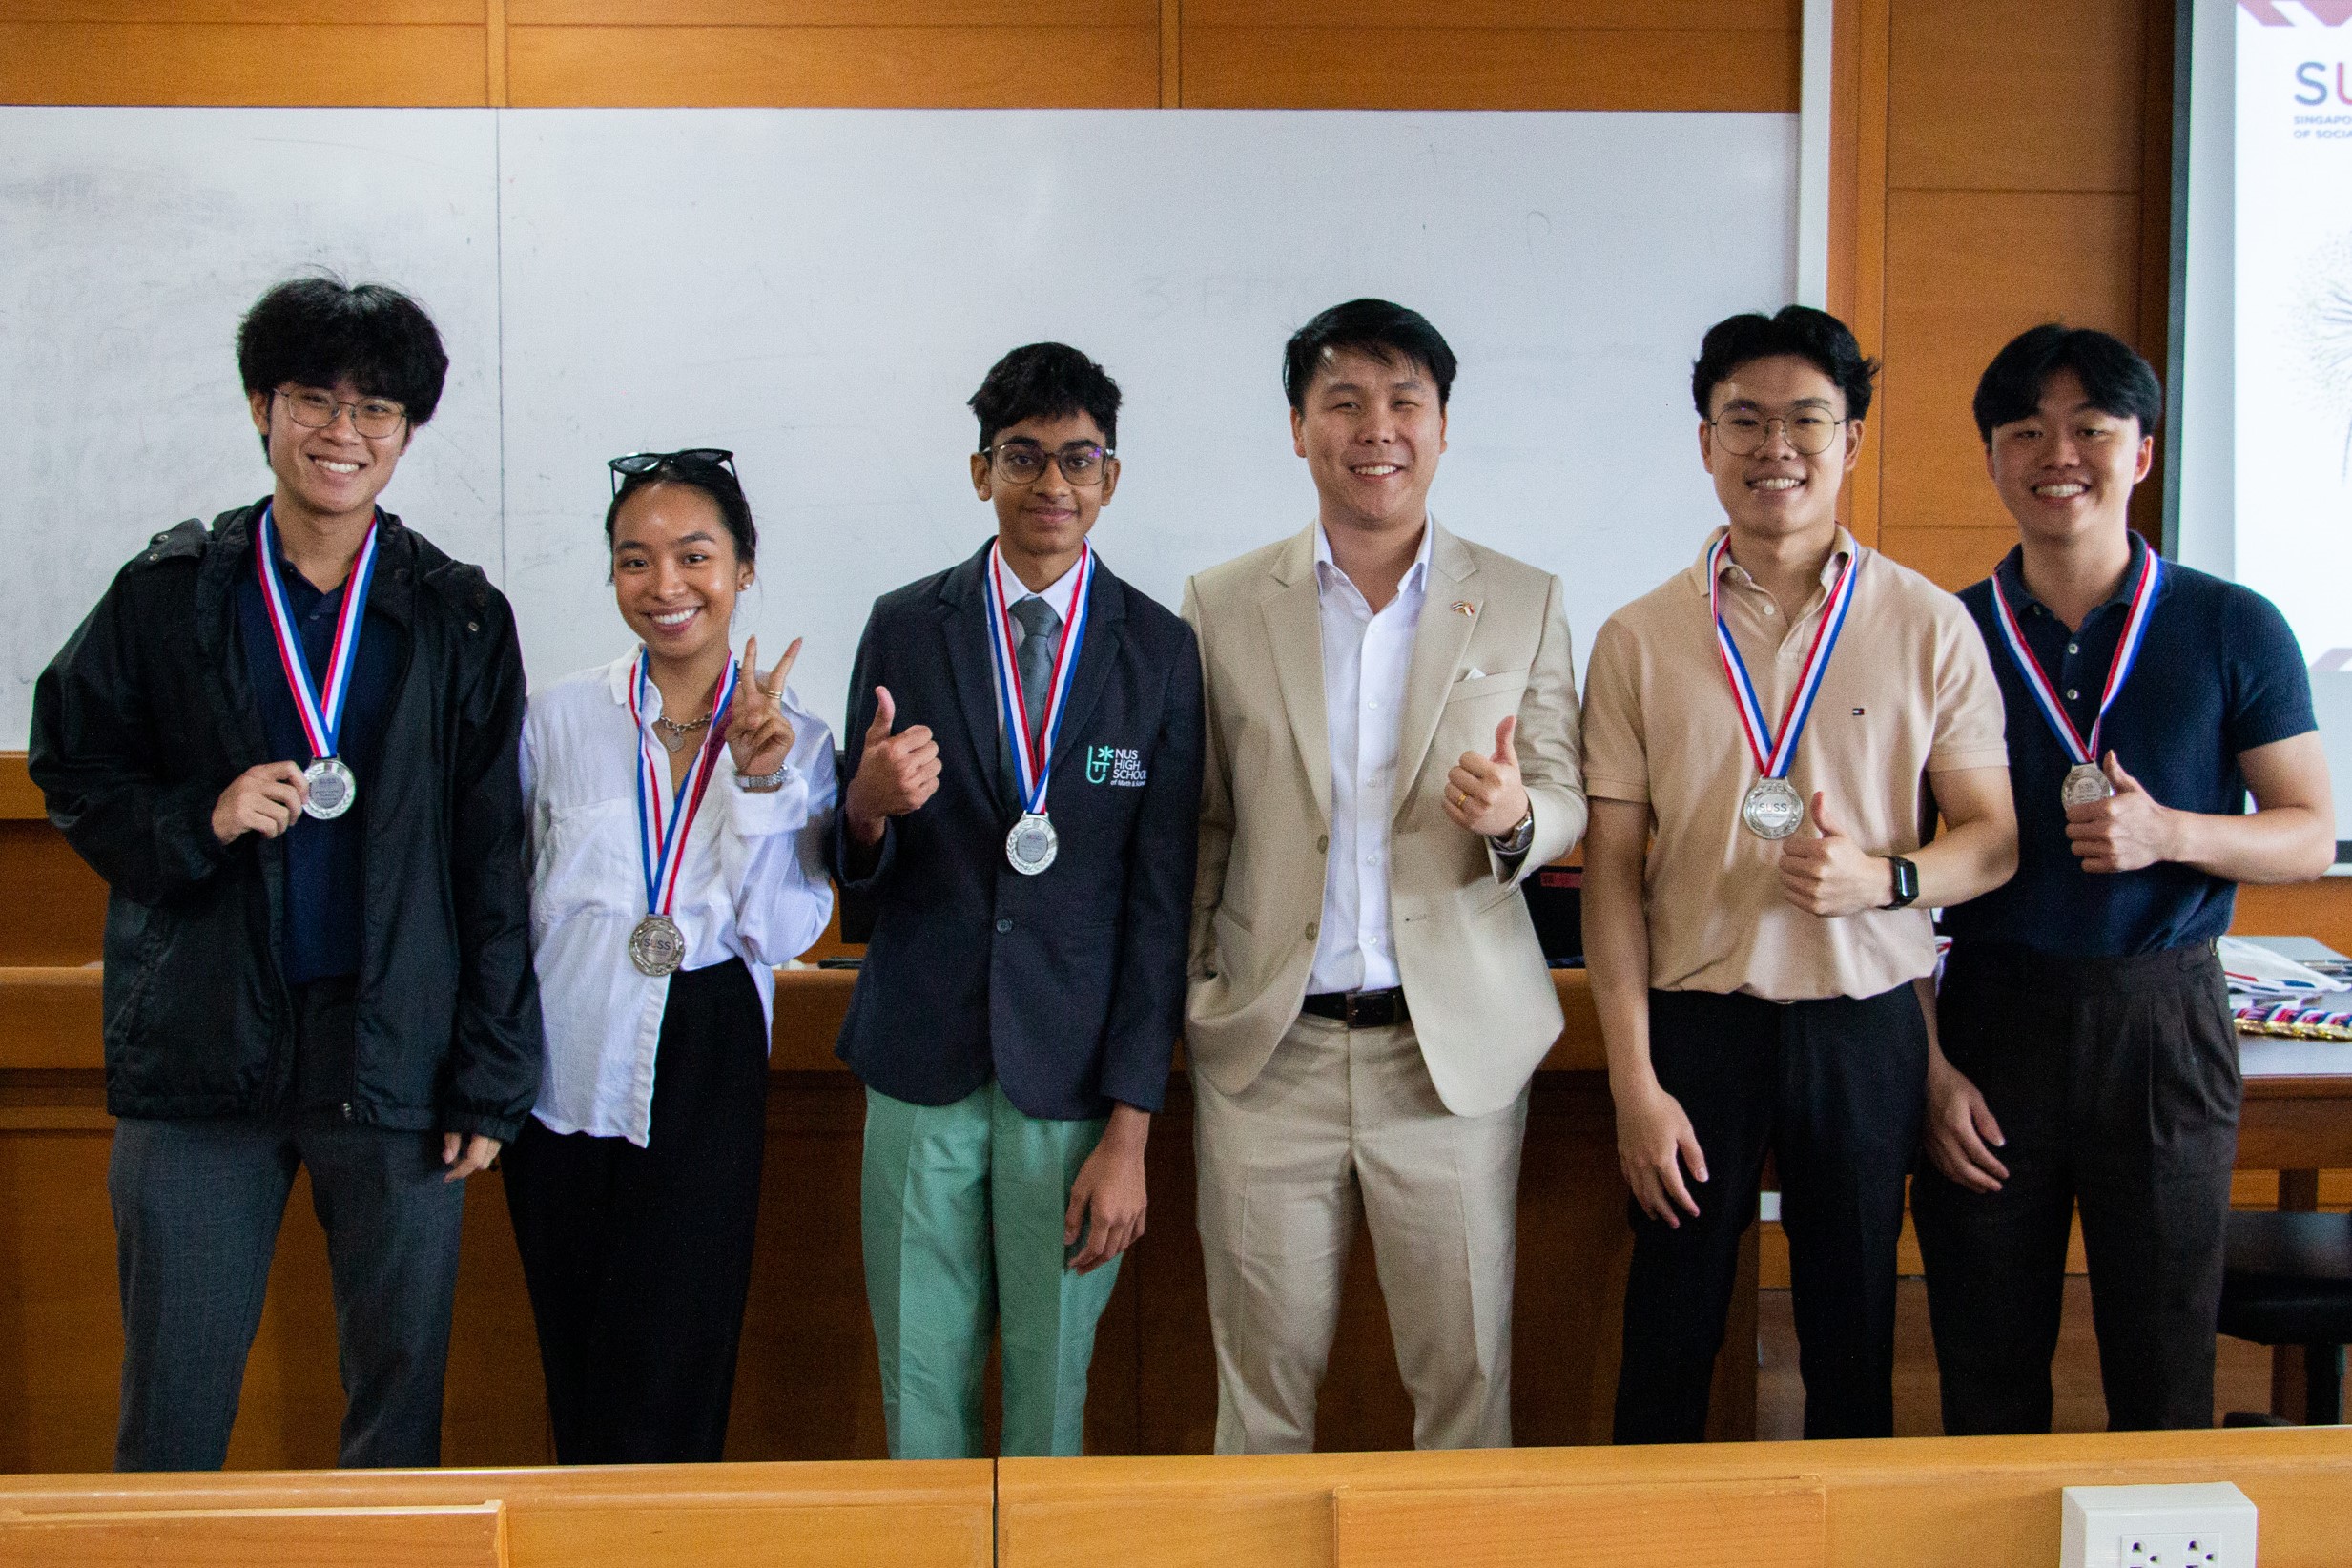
(660, 838)
(1774, 753)
(1032, 755)
(322, 718)
(2085, 753)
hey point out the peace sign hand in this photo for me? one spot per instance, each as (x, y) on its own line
(757, 732)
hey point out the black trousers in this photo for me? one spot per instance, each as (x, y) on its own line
(638, 1260)
(1835, 1090)
(2115, 1081)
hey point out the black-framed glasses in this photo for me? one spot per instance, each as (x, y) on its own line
(1741, 431)
(637, 464)
(315, 409)
(1083, 463)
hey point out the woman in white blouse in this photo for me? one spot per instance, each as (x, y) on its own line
(679, 800)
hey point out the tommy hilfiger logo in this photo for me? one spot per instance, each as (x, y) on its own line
(1117, 765)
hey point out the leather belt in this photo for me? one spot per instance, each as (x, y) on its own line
(1361, 1009)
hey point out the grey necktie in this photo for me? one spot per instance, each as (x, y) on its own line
(1035, 657)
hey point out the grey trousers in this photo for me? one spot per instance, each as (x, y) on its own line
(197, 1205)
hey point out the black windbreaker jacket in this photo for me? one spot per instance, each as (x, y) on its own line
(142, 720)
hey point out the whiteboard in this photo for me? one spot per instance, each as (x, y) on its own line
(820, 290)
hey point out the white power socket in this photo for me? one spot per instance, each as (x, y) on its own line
(2203, 1526)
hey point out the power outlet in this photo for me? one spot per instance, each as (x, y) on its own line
(2203, 1526)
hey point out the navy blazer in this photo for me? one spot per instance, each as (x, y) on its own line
(1067, 987)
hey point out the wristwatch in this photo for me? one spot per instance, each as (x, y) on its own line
(764, 783)
(1517, 840)
(1905, 883)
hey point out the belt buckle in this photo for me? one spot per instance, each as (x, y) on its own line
(1348, 1009)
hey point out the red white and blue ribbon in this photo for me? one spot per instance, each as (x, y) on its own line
(322, 714)
(661, 835)
(2084, 751)
(1033, 753)
(1774, 753)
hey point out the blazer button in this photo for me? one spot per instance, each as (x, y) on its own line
(1323, 843)
(1003, 926)
(1310, 930)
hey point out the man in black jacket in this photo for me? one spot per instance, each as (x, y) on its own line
(1019, 821)
(287, 742)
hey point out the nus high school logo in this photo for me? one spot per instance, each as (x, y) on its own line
(1115, 765)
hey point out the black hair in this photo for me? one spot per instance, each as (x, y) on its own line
(319, 330)
(1045, 381)
(1387, 332)
(2115, 378)
(1814, 336)
(712, 479)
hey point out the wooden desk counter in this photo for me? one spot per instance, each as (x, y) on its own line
(1913, 1502)
(923, 1514)
(807, 1386)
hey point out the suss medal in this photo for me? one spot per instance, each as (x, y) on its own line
(329, 787)
(1032, 844)
(664, 816)
(1773, 809)
(2086, 782)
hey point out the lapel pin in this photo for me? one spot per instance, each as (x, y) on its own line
(1464, 606)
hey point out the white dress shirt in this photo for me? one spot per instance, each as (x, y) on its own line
(753, 885)
(1364, 660)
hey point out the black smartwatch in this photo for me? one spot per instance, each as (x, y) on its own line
(1905, 883)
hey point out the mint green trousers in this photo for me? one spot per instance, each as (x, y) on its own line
(962, 1219)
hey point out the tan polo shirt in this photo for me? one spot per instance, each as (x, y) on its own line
(1910, 692)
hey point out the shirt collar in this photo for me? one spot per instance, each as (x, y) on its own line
(1059, 595)
(1847, 546)
(2011, 574)
(1417, 575)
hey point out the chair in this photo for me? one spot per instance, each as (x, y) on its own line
(2287, 1280)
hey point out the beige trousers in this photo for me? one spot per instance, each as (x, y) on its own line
(1340, 1123)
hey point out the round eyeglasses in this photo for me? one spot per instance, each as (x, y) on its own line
(1741, 431)
(312, 409)
(1083, 463)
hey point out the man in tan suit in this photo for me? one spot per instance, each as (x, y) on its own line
(1391, 746)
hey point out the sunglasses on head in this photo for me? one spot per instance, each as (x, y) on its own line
(637, 465)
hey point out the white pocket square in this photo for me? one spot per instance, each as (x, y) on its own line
(1474, 673)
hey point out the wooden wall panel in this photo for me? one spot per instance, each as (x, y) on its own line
(53, 907)
(2015, 95)
(1967, 271)
(1291, 67)
(282, 12)
(1391, 15)
(855, 13)
(246, 64)
(838, 67)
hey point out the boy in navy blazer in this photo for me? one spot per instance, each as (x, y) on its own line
(1018, 824)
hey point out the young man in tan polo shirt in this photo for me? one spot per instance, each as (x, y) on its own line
(1765, 736)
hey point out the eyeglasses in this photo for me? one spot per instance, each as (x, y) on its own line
(635, 465)
(1083, 463)
(315, 410)
(1743, 430)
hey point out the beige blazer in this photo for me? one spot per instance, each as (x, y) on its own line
(1474, 976)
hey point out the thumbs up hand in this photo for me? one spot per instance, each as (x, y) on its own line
(1825, 873)
(2125, 831)
(896, 773)
(1484, 793)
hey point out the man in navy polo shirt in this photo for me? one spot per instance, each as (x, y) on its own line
(2087, 1057)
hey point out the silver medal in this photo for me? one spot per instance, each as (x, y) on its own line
(657, 946)
(1773, 809)
(2085, 785)
(329, 789)
(1032, 844)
